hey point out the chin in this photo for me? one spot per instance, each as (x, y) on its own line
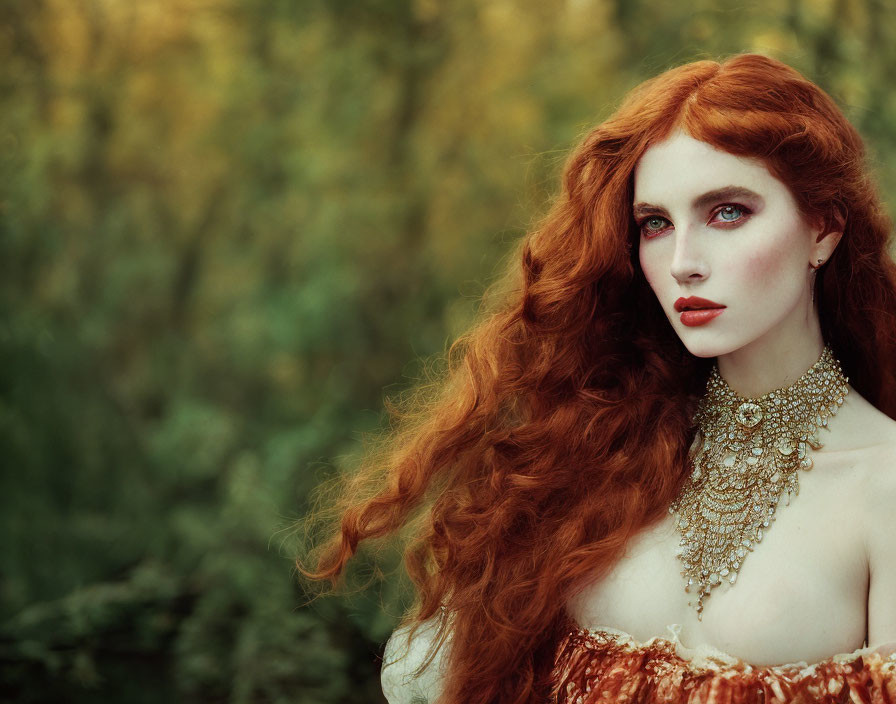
(706, 348)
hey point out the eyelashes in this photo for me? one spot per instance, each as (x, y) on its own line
(727, 209)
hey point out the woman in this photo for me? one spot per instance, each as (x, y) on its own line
(602, 487)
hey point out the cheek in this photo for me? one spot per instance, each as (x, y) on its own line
(770, 272)
(763, 269)
(651, 267)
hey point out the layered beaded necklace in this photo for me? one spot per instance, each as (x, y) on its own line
(746, 455)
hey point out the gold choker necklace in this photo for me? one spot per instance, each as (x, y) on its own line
(746, 454)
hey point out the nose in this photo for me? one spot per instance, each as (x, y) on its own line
(688, 263)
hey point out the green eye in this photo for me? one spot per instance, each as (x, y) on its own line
(728, 210)
(653, 224)
(732, 212)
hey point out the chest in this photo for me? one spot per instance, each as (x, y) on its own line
(800, 595)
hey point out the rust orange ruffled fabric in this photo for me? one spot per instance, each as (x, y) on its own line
(610, 666)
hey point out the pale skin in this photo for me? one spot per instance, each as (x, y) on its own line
(823, 579)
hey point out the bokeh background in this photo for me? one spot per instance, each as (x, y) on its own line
(228, 229)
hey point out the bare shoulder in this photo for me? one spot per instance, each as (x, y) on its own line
(874, 437)
(401, 677)
(875, 512)
(865, 434)
(877, 492)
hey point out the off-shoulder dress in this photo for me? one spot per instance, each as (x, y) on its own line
(609, 665)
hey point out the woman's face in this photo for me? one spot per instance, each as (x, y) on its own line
(721, 228)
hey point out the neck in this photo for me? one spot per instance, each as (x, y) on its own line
(773, 362)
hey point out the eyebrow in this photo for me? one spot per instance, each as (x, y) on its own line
(726, 193)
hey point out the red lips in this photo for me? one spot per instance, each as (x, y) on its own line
(697, 311)
(695, 303)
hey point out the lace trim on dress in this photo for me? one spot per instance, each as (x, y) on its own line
(606, 664)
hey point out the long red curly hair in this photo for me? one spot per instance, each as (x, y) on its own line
(560, 424)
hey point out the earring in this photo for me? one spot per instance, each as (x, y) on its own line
(815, 271)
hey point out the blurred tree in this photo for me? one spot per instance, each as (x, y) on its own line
(226, 227)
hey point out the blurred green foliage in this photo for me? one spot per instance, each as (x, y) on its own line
(227, 228)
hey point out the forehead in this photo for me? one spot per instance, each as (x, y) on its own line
(680, 167)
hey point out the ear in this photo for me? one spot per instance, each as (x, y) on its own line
(826, 237)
